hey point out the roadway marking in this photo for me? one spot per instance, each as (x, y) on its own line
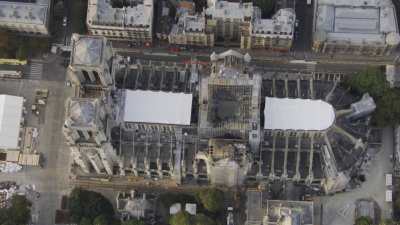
(35, 71)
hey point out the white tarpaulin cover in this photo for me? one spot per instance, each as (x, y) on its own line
(297, 114)
(158, 107)
(10, 120)
(9, 167)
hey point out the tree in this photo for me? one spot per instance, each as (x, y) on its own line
(89, 204)
(85, 221)
(18, 213)
(371, 80)
(387, 99)
(212, 199)
(181, 218)
(78, 9)
(388, 222)
(201, 219)
(388, 108)
(100, 220)
(133, 222)
(363, 220)
(4, 44)
(22, 52)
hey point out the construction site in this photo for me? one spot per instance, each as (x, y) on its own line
(19, 135)
(223, 123)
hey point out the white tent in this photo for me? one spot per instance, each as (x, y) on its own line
(158, 107)
(297, 114)
(10, 120)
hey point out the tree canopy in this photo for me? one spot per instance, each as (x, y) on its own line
(79, 9)
(388, 222)
(21, 47)
(18, 213)
(201, 219)
(363, 220)
(184, 218)
(388, 108)
(85, 221)
(100, 220)
(90, 205)
(133, 222)
(371, 80)
(212, 199)
(387, 99)
(181, 218)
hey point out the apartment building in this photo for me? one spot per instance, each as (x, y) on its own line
(191, 30)
(276, 33)
(361, 27)
(27, 17)
(133, 22)
(235, 23)
(230, 20)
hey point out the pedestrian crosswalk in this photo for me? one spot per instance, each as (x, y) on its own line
(35, 71)
(310, 67)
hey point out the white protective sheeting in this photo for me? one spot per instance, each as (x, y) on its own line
(10, 120)
(157, 107)
(297, 114)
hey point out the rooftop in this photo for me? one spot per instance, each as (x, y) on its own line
(290, 212)
(11, 108)
(34, 12)
(82, 112)
(272, 212)
(233, 10)
(297, 114)
(157, 107)
(87, 50)
(90, 51)
(189, 23)
(357, 21)
(282, 23)
(100, 12)
(229, 104)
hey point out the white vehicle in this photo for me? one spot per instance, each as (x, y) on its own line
(10, 74)
(308, 2)
(229, 219)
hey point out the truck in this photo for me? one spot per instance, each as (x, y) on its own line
(10, 74)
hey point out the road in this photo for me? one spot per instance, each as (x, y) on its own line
(61, 34)
(52, 180)
(68, 27)
(303, 33)
(259, 63)
(260, 54)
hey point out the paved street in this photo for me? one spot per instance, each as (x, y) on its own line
(52, 180)
(339, 209)
(260, 64)
(35, 71)
(261, 54)
(303, 34)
